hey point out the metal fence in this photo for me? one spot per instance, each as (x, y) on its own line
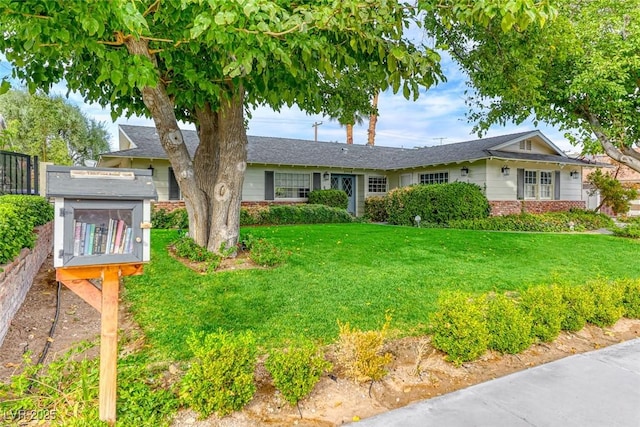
(18, 173)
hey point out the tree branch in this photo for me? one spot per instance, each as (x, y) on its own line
(270, 33)
(609, 147)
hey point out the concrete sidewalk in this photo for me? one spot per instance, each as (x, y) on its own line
(599, 388)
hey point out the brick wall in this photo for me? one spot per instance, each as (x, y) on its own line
(510, 207)
(17, 277)
(170, 206)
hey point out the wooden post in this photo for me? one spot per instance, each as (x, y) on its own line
(106, 302)
(109, 343)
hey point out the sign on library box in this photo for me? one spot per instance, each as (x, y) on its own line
(102, 215)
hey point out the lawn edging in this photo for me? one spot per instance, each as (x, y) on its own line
(16, 277)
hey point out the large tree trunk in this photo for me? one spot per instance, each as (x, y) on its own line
(219, 165)
(211, 183)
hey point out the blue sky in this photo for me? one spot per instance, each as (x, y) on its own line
(437, 117)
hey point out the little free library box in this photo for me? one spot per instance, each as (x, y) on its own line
(102, 215)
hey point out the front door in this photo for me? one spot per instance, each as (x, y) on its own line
(346, 183)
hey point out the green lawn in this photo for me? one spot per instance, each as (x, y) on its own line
(355, 273)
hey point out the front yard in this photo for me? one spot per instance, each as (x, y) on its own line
(355, 273)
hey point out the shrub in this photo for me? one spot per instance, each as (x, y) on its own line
(186, 247)
(509, 326)
(546, 308)
(178, 218)
(16, 232)
(302, 214)
(332, 198)
(631, 299)
(296, 370)
(631, 231)
(575, 220)
(220, 379)
(263, 252)
(608, 302)
(361, 352)
(375, 209)
(459, 327)
(35, 207)
(437, 203)
(579, 305)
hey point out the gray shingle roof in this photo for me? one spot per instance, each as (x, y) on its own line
(298, 152)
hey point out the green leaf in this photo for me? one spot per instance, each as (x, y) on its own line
(4, 87)
(116, 77)
(200, 25)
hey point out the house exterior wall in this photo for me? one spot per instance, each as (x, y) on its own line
(500, 187)
(537, 147)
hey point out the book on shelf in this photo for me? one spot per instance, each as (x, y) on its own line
(77, 230)
(118, 240)
(83, 234)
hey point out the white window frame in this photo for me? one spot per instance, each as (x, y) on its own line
(377, 184)
(291, 185)
(539, 184)
(428, 178)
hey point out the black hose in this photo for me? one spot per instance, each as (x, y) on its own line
(53, 328)
(45, 350)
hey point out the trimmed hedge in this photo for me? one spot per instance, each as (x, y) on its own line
(575, 220)
(375, 209)
(437, 203)
(333, 198)
(262, 215)
(37, 208)
(16, 232)
(302, 214)
(178, 218)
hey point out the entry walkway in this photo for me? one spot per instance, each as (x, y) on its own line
(599, 388)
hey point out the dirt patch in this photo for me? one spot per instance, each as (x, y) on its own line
(417, 372)
(242, 261)
(30, 328)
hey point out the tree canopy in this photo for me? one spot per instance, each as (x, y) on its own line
(51, 128)
(207, 62)
(580, 71)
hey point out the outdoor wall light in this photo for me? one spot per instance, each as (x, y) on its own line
(506, 170)
(151, 168)
(574, 174)
(326, 176)
(464, 171)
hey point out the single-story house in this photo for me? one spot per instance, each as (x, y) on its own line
(517, 171)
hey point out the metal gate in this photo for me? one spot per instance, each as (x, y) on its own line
(18, 174)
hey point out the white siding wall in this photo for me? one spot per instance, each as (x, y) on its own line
(501, 187)
(537, 147)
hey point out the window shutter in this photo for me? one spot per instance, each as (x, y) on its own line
(268, 186)
(317, 185)
(556, 186)
(520, 184)
(174, 188)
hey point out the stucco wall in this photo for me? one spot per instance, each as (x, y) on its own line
(17, 277)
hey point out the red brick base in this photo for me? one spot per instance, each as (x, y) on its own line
(511, 207)
(172, 205)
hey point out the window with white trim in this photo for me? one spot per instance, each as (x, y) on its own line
(292, 185)
(434, 178)
(538, 184)
(377, 184)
